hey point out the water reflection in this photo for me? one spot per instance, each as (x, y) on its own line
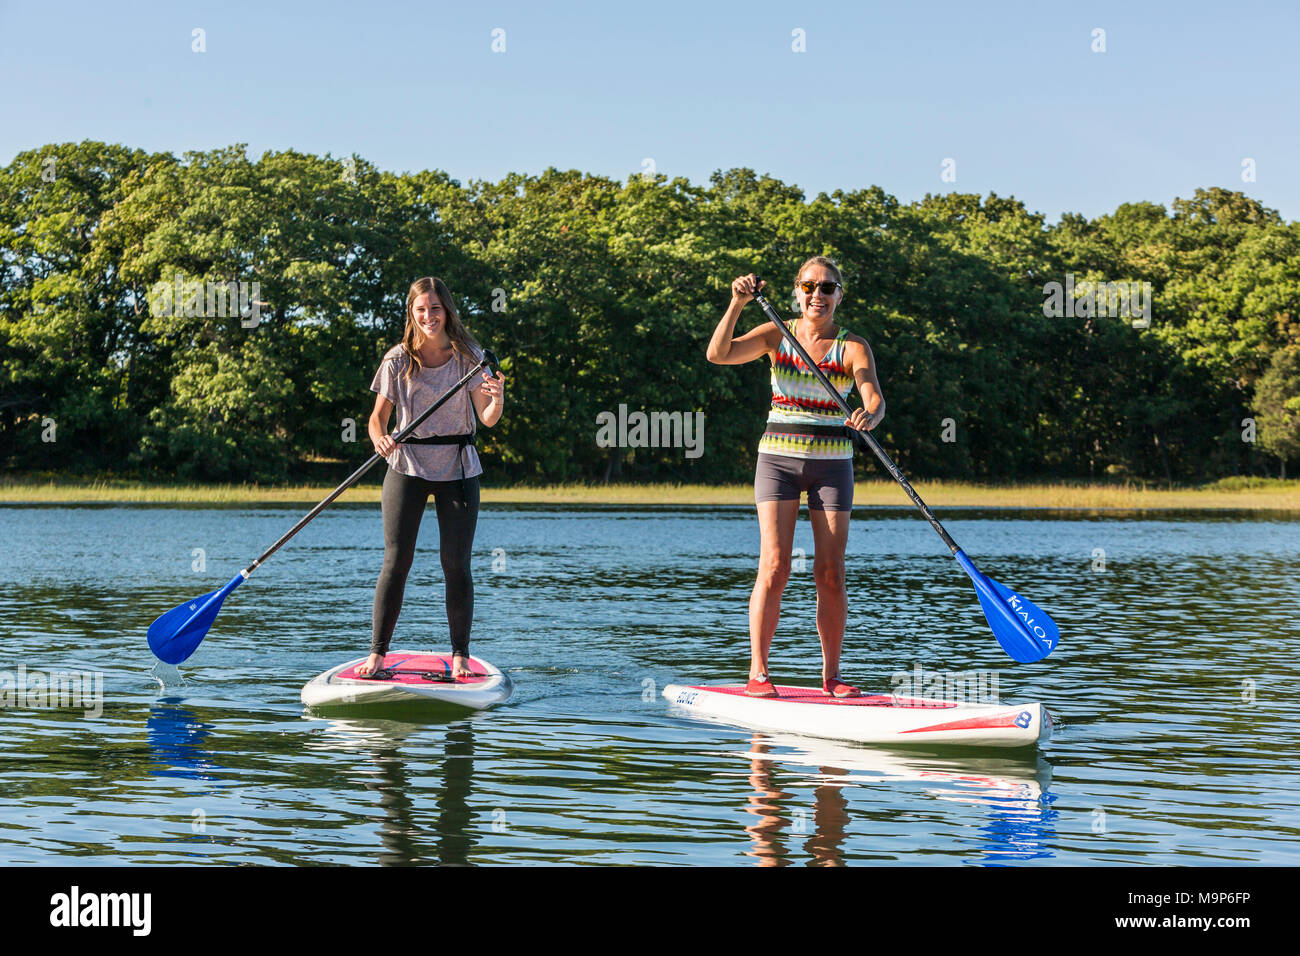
(390, 773)
(830, 813)
(177, 738)
(1012, 791)
(765, 804)
(176, 742)
(830, 820)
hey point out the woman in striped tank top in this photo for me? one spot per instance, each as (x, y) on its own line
(804, 449)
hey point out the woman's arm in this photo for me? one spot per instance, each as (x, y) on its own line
(489, 399)
(378, 427)
(723, 349)
(862, 365)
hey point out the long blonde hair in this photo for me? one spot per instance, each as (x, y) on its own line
(463, 344)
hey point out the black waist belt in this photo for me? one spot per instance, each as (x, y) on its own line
(797, 428)
(461, 440)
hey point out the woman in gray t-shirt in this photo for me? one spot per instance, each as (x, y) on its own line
(438, 461)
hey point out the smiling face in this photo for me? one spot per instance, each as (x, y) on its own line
(817, 305)
(429, 316)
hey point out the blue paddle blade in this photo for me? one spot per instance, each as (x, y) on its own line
(1023, 629)
(176, 635)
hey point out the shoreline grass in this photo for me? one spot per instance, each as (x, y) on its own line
(1260, 494)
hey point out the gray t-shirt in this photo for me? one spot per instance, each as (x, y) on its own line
(412, 396)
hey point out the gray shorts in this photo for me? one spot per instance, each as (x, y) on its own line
(829, 483)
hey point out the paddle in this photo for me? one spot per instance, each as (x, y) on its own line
(1024, 631)
(176, 635)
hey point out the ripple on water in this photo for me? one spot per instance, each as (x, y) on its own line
(1172, 688)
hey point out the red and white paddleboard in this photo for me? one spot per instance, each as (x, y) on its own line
(869, 719)
(417, 677)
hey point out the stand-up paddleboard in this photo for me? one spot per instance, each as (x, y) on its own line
(869, 719)
(409, 678)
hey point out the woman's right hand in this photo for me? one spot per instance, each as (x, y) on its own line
(743, 289)
(385, 445)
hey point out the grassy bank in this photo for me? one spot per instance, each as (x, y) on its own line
(1233, 493)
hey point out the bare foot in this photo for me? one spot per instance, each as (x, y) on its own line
(372, 664)
(459, 668)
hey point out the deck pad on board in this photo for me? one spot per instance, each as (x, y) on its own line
(814, 695)
(411, 668)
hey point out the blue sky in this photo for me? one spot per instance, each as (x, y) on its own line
(882, 96)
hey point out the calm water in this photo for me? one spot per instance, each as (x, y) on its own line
(1173, 687)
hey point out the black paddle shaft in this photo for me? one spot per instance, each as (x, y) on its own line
(866, 437)
(489, 361)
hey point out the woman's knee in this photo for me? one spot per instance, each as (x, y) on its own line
(397, 565)
(773, 570)
(456, 567)
(829, 573)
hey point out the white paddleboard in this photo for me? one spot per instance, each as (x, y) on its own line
(869, 719)
(418, 677)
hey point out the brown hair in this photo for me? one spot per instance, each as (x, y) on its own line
(462, 343)
(826, 263)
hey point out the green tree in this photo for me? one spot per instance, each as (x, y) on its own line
(1277, 407)
(69, 334)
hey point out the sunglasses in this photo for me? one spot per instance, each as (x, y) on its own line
(828, 288)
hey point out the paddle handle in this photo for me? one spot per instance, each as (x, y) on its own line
(488, 361)
(866, 437)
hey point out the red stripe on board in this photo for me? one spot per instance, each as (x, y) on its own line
(971, 723)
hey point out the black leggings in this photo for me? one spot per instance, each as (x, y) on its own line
(404, 499)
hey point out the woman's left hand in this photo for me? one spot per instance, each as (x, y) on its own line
(862, 420)
(494, 388)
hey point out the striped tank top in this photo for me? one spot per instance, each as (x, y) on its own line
(799, 400)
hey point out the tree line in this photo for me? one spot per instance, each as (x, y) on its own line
(211, 317)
